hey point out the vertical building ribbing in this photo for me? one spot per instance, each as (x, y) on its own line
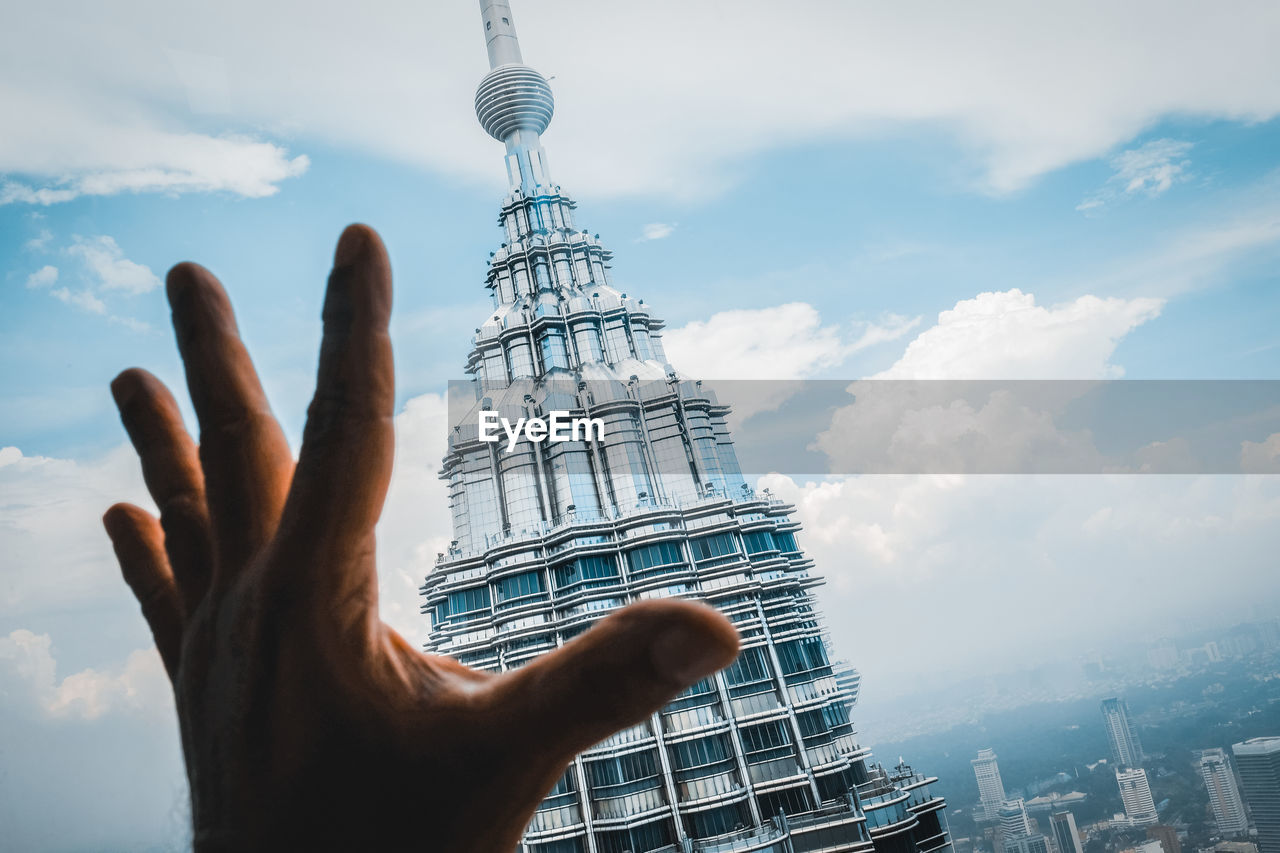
(990, 786)
(549, 538)
(1065, 833)
(1135, 793)
(1126, 749)
(1258, 760)
(1224, 794)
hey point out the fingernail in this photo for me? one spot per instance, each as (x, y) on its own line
(351, 245)
(685, 655)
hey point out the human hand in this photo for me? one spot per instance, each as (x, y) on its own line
(308, 723)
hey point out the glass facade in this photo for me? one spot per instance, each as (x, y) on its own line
(551, 538)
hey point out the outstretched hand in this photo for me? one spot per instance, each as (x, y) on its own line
(308, 723)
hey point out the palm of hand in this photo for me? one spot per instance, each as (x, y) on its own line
(306, 721)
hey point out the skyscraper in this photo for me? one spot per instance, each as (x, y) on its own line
(1126, 749)
(1258, 761)
(550, 537)
(1065, 833)
(1135, 793)
(990, 785)
(1014, 822)
(1224, 795)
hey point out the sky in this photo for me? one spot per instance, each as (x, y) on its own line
(800, 190)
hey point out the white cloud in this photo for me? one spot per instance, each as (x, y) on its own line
(131, 323)
(106, 157)
(991, 558)
(138, 685)
(107, 270)
(55, 553)
(110, 270)
(40, 242)
(656, 231)
(1150, 170)
(1007, 335)
(1196, 257)
(133, 111)
(43, 277)
(83, 299)
(1261, 457)
(415, 524)
(783, 342)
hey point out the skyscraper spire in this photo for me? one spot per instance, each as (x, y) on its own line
(513, 102)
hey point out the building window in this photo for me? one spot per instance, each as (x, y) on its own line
(697, 759)
(767, 742)
(625, 774)
(554, 354)
(792, 801)
(750, 667)
(647, 836)
(586, 573)
(758, 541)
(467, 604)
(802, 655)
(656, 559)
(718, 821)
(519, 360)
(710, 547)
(640, 336)
(587, 337)
(521, 586)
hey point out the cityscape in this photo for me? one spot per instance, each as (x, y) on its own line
(1187, 760)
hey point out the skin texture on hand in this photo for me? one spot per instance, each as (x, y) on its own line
(307, 723)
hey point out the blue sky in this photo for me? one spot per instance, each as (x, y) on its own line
(999, 193)
(858, 230)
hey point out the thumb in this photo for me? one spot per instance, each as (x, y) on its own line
(614, 675)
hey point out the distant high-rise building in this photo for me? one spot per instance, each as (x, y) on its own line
(1065, 834)
(1167, 836)
(1258, 761)
(1224, 794)
(1014, 822)
(1135, 793)
(990, 785)
(1126, 749)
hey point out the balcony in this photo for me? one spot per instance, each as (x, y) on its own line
(811, 691)
(820, 756)
(772, 771)
(708, 787)
(757, 703)
(765, 839)
(635, 734)
(678, 722)
(628, 805)
(555, 820)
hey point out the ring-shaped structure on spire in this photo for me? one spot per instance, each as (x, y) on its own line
(511, 98)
